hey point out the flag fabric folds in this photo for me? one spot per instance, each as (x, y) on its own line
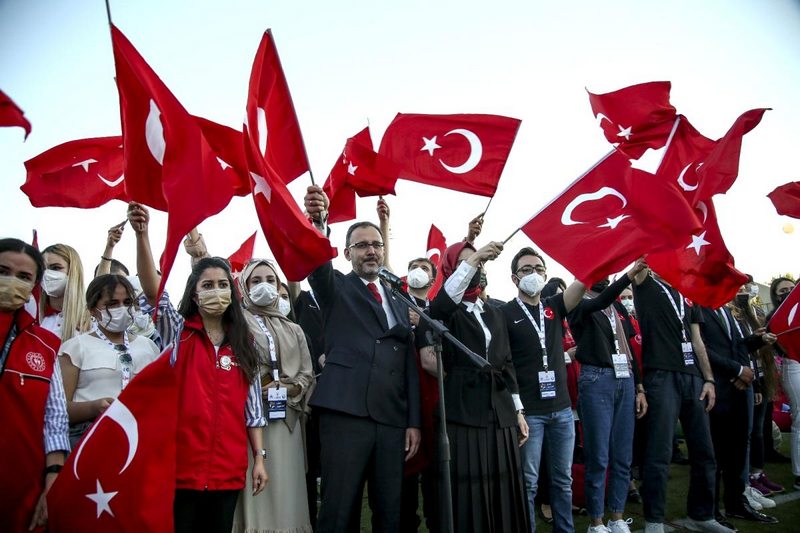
(12, 115)
(240, 257)
(435, 249)
(786, 199)
(785, 323)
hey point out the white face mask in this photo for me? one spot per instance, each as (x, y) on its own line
(532, 284)
(263, 294)
(54, 283)
(141, 320)
(417, 278)
(753, 291)
(136, 284)
(284, 307)
(121, 318)
(628, 305)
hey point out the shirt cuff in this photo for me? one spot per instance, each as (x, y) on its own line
(456, 285)
(517, 402)
(741, 369)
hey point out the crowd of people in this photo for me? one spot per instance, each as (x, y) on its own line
(306, 396)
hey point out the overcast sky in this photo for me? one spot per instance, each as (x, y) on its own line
(352, 61)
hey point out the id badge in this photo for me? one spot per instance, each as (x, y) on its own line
(126, 375)
(621, 369)
(688, 353)
(276, 400)
(547, 384)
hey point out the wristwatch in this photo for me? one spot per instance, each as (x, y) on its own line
(53, 469)
(262, 452)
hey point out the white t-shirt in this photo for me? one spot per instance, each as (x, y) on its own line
(100, 368)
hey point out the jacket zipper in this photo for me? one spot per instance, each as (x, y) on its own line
(23, 375)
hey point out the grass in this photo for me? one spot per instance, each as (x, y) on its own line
(788, 513)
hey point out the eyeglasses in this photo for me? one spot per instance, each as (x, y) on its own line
(526, 270)
(124, 357)
(364, 245)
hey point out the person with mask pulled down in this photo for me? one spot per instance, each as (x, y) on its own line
(220, 407)
(535, 332)
(33, 410)
(97, 366)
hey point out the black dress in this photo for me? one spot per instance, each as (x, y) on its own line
(486, 473)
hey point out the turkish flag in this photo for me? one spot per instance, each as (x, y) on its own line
(240, 257)
(229, 147)
(12, 115)
(165, 149)
(594, 227)
(435, 248)
(359, 171)
(461, 152)
(786, 199)
(271, 118)
(121, 477)
(635, 118)
(702, 269)
(785, 323)
(84, 173)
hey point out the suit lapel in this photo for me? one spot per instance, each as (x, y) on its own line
(363, 291)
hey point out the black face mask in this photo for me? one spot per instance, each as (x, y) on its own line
(600, 286)
(742, 300)
(475, 281)
(782, 297)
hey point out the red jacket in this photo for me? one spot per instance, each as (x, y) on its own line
(212, 434)
(24, 387)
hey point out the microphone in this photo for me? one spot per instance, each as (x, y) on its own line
(395, 282)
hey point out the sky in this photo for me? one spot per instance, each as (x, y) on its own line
(352, 62)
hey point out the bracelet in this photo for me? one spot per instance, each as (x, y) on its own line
(53, 469)
(710, 381)
(104, 258)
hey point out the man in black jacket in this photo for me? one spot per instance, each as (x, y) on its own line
(368, 393)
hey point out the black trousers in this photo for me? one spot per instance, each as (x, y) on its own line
(354, 450)
(672, 396)
(426, 480)
(313, 472)
(204, 511)
(729, 420)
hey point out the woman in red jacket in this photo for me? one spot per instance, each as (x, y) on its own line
(220, 406)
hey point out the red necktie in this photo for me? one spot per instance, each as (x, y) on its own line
(375, 294)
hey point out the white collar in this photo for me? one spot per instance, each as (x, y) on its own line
(477, 304)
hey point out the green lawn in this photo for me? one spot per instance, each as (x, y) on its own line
(788, 513)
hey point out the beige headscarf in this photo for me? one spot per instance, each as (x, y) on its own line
(291, 347)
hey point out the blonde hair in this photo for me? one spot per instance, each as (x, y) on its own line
(76, 317)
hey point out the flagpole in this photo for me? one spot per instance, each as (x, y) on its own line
(487, 206)
(669, 141)
(787, 331)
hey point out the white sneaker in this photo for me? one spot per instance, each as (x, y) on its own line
(754, 496)
(653, 527)
(598, 529)
(710, 526)
(620, 526)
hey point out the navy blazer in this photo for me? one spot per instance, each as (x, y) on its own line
(370, 370)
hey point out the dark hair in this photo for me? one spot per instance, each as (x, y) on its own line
(16, 245)
(234, 322)
(522, 253)
(105, 285)
(426, 260)
(773, 287)
(362, 224)
(115, 266)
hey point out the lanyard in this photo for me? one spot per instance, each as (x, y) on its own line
(612, 320)
(12, 334)
(539, 331)
(272, 354)
(680, 314)
(125, 359)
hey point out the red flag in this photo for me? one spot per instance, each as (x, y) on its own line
(12, 115)
(360, 171)
(594, 227)
(121, 477)
(84, 173)
(240, 257)
(786, 199)
(270, 113)
(635, 118)
(229, 147)
(703, 269)
(435, 248)
(461, 152)
(785, 323)
(165, 148)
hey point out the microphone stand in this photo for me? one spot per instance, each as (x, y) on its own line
(437, 331)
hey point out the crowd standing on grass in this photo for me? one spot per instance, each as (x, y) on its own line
(314, 394)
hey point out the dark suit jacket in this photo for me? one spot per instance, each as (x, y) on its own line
(370, 371)
(726, 354)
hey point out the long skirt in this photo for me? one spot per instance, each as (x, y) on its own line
(282, 507)
(486, 477)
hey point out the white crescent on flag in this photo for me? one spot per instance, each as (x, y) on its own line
(119, 413)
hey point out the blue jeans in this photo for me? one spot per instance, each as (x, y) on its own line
(605, 405)
(558, 429)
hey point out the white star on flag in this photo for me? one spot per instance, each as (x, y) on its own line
(222, 163)
(613, 222)
(102, 499)
(351, 169)
(430, 145)
(261, 187)
(624, 132)
(698, 241)
(85, 164)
